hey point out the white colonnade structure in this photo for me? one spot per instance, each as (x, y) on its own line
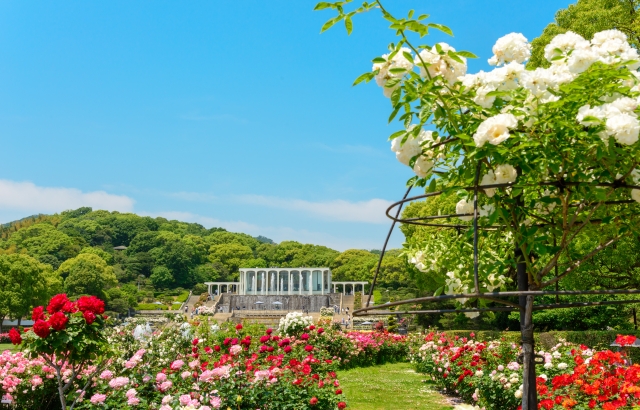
(346, 285)
(285, 281)
(222, 287)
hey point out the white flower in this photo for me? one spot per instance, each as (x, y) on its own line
(562, 366)
(512, 47)
(506, 77)
(464, 207)
(518, 394)
(441, 64)
(486, 210)
(384, 74)
(563, 43)
(581, 59)
(503, 174)
(624, 128)
(495, 129)
(588, 111)
(413, 147)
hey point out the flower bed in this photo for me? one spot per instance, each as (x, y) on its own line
(207, 366)
(487, 374)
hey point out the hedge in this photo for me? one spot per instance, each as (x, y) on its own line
(183, 297)
(150, 306)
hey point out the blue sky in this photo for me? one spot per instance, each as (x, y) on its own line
(227, 113)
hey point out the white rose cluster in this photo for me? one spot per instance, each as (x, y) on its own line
(503, 174)
(495, 130)
(512, 47)
(392, 68)
(618, 117)
(569, 54)
(437, 62)
(419, 147)
(294, 322)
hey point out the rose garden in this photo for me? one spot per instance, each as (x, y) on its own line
(529, 176)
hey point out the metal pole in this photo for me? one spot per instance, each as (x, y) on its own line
(529, 394)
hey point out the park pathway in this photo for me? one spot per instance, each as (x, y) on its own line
(390, 387)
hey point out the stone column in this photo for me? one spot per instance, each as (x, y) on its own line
(322, 283)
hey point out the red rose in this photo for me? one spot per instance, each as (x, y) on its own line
(265, 339)
(38, 313)
(339, 391)
(57, 303)
(269, 331)
(308, 348)
(287, 349)
(41, 328)
(313, 401)
(70, 307)
(320, 331)
(91, 304)
(15, 337)
(239, 326)
(216, 348)
(195, 342)
(304, 336)
(58, 321)
(312, 327)
(89, 317)
(342, 405)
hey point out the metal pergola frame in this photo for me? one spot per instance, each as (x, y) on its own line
(525, 296)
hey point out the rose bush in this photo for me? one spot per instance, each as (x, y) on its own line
(205, 365)
(487, 374)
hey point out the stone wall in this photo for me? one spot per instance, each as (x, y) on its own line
(310, 303)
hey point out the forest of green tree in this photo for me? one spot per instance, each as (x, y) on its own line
(73, 252)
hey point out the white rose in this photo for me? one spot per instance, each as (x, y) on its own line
(624, 128)
(512, 47)
(495, 129)
(464, 207)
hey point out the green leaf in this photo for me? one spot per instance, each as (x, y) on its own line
(378, 60)
(366, 77)
(442, 28)
(432, 185)
(466, 54)
(348, 24)
(454, 57)
(330, 24)
(438, 291)
(395, 96)
(423, 16)
(322, 5)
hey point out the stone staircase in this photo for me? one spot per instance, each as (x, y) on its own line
(347, 302)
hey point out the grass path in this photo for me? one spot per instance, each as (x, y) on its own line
(7, 346)
(389, 387)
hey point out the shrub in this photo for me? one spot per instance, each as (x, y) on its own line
(326, 311)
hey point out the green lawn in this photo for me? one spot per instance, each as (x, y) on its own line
(389, 387)
(7, 346)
